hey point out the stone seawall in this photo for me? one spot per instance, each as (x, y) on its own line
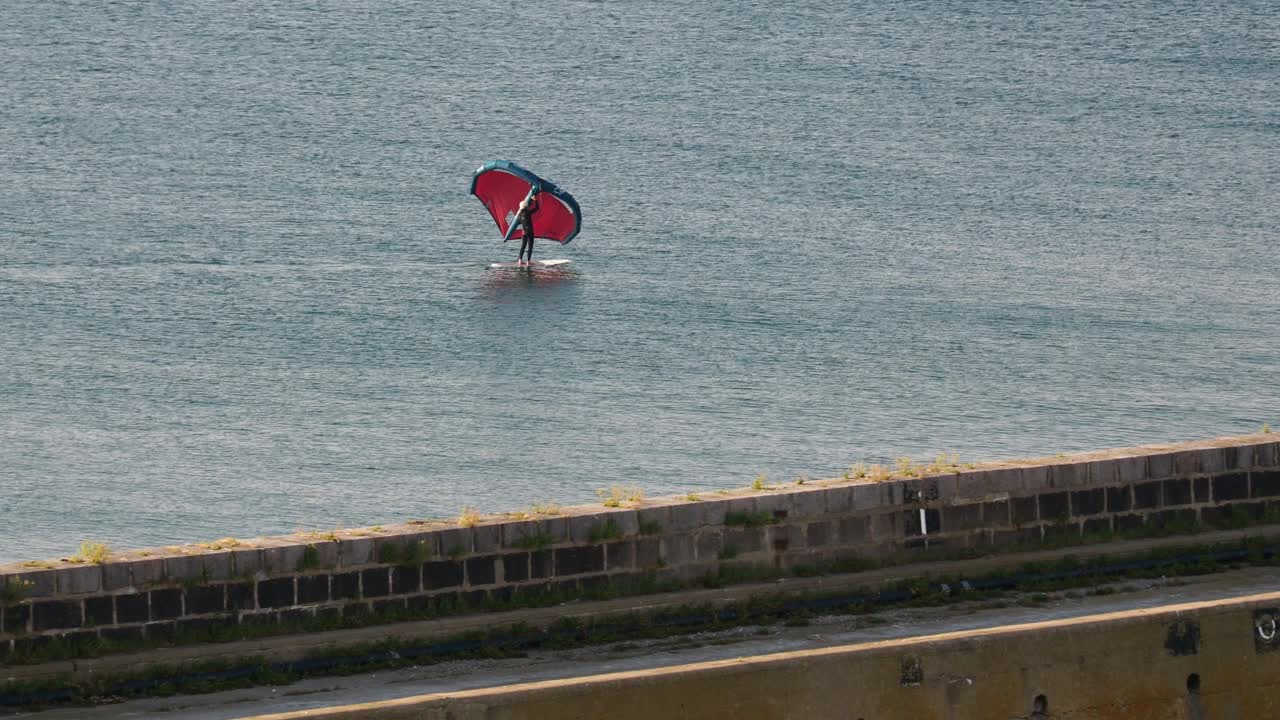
(414, 570)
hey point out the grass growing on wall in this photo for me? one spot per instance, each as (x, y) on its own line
(310, 559)
(618, 495)
(608, 531)
(469, 517)
(92, 552)
(749, 519)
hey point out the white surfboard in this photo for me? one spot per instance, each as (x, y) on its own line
(535, 265)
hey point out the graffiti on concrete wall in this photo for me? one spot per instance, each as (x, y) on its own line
(1265, 638)
(1183, 638)
(912, 673)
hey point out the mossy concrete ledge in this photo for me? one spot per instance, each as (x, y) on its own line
(409, 570)
(1197, 660)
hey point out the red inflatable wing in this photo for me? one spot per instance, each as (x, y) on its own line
(502, 185)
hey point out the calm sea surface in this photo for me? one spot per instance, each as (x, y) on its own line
(243, 288)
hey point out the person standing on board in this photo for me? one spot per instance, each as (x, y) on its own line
(525, 217)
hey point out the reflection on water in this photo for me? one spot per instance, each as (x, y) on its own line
(508, 283)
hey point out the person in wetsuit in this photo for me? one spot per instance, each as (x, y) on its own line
(525, 217)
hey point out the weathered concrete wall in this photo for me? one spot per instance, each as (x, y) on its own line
(1217, 660)
(413, 568)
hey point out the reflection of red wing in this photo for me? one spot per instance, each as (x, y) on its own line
(502, 186)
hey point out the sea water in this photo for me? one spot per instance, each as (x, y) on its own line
(243, 289)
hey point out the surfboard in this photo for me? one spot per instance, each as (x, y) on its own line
(536, 265)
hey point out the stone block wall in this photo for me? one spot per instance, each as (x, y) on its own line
(412, 568)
